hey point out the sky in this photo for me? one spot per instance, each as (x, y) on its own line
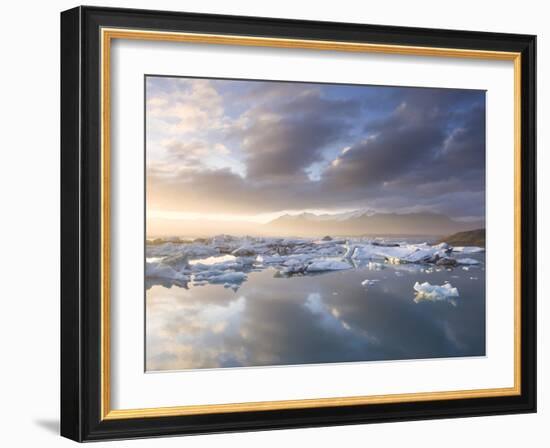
(253, 150)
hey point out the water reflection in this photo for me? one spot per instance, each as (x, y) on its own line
(314, 319)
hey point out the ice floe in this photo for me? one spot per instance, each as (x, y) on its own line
(368, 282)
(244, 251)
(161, 270)
(407, 253)
(226, 259)
(434, 293)
(327, 265)
(375, 266)
(468, 249)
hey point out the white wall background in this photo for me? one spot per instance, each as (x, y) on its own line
(29, 224)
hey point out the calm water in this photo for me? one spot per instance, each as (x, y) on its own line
(322, 318)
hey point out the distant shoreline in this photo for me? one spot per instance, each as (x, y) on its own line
(467, 238)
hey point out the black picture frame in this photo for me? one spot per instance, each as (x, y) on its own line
(81, 225)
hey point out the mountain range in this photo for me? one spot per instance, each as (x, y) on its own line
(368, 222)
(353, 223)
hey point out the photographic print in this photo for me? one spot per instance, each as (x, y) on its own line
(292, 223)
(251, 201)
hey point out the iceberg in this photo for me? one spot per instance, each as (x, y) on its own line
(468, 249)
(178, 261)
(210, 260)
(244, 251)
(407, 253)
(374, 266)
(191, 250)
(434, 293)
(327, 265)
(160, 270)
(223, 266)
(292, 266)
(269, 259)
(369, 282)
(230, 278)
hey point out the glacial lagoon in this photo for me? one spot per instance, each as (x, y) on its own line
(245, 302)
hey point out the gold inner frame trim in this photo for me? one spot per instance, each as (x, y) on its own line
(107, 35)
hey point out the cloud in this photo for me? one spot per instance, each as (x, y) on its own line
(219, 328)
(424, 149)
(288, 128)
(253, 147)
(189, 106)
(191, 153)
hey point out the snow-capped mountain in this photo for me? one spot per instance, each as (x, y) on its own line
(307, 216)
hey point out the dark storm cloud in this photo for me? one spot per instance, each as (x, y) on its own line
(432, 145)
(424, 140)
(227, 192)
(289, 131)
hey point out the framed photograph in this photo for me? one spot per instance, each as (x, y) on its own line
(273, 223)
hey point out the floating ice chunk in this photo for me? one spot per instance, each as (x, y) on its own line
(215, 260)
(178, 262)
(467, 261)
(225, 266)
(416, 255)
(209, 259)
(244, 251)
(369, 282)
(161, 270)
(468, 249)
(292, 266)
(190, 251)
(246, 262)
(326, 250)
(474, 278)
(327, 265)
(270, 259)
(446, 261)
(398, 273)
(385, 243)
(228, 277)
(408, 267)
(426, 291)
(350, 249)
(291, 242)
(409, 253)
(299, 258)
(375, 266)
(369, 252)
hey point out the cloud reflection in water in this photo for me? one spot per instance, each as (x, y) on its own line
(310, 320)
